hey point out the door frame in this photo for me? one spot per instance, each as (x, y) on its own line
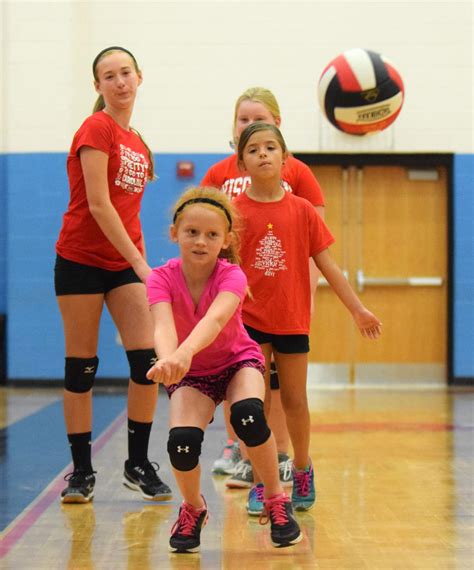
(417, 161)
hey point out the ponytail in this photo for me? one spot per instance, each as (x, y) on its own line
(151, 167)
(99, 104)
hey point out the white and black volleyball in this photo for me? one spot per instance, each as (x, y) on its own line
(360, 92)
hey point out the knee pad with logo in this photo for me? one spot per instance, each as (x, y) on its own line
(248, 420)
(184, 447)
(79, 374)
(140, 362)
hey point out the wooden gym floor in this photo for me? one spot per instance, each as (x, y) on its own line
(394, 474)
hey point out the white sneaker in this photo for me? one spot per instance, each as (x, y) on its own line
(229, 458)
(242, 477)
(284, 467)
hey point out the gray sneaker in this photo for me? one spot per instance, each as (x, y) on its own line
(230, 456)
(284, 467)
(242, 477)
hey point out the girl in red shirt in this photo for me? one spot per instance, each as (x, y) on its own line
(101, 261)
(280, 232)
(260, 104)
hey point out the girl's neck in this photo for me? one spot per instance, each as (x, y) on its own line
(196, 276)
(265, 191)
(120, 116)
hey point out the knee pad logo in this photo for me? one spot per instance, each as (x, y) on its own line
(184, 449)
(248, 420)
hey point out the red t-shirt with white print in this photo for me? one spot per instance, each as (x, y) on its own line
(81, 239)
(296, 177)
(277, 239)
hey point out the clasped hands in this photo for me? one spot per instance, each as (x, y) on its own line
(171, 369)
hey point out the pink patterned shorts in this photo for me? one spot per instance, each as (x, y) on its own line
(215, 385)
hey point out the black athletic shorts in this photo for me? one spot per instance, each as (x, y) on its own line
(71, 278)
(284, 343)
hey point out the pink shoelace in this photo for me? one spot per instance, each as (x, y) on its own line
(259, 493)
(275, 510)
(301, 480)
(187, 520)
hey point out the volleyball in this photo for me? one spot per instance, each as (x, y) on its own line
(360, 92)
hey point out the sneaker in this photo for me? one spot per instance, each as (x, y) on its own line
(303, 496)
(230, 456)
(255, 500)
(186, 531)
(145, 480)
(242, 477)
(284, 530)
(285, 465)
(80, 487)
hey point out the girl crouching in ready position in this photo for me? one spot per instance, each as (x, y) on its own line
(206, 356)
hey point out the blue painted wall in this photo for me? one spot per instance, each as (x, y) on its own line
(463, 269)
(37, 196)
(31, 208)
(3, 234)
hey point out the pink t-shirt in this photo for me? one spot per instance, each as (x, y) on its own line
(167, 284)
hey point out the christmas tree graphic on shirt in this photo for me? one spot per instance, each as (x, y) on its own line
(270, 257)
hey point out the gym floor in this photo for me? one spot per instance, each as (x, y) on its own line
(394, 475)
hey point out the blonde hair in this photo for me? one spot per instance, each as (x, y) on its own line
(258, 95)
(100, 103)
(209, 197)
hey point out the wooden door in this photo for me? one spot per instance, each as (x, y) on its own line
(391, 235)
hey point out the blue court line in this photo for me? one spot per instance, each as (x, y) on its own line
(34, 449)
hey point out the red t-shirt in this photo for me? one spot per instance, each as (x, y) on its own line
(277, 240)
(81, 240)
(296, 178)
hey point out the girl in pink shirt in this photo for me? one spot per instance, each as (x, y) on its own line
(205, 356)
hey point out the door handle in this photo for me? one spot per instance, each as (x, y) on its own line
(363, 281)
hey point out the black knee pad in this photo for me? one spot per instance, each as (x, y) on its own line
(79, 374)
(248, 420)
(274, 381)
(140, 362)
(184, 447)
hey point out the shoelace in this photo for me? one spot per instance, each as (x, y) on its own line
(259, 493)
(151, 471)
(243, 468)
(187, 520)
(301, 480)
(274, 509)
(287, 464)
(76, 475)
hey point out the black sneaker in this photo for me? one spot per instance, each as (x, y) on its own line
(145, 480)
(284, 530)
(80, 487)
(186, 531)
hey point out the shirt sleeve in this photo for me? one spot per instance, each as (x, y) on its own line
(158, 287)
(94, 133)
(233, 280)
(209, 179)
(306, 185)
(320, 236)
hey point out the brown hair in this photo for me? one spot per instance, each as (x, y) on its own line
(209, 197)
(100, 103)
(257, 127)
